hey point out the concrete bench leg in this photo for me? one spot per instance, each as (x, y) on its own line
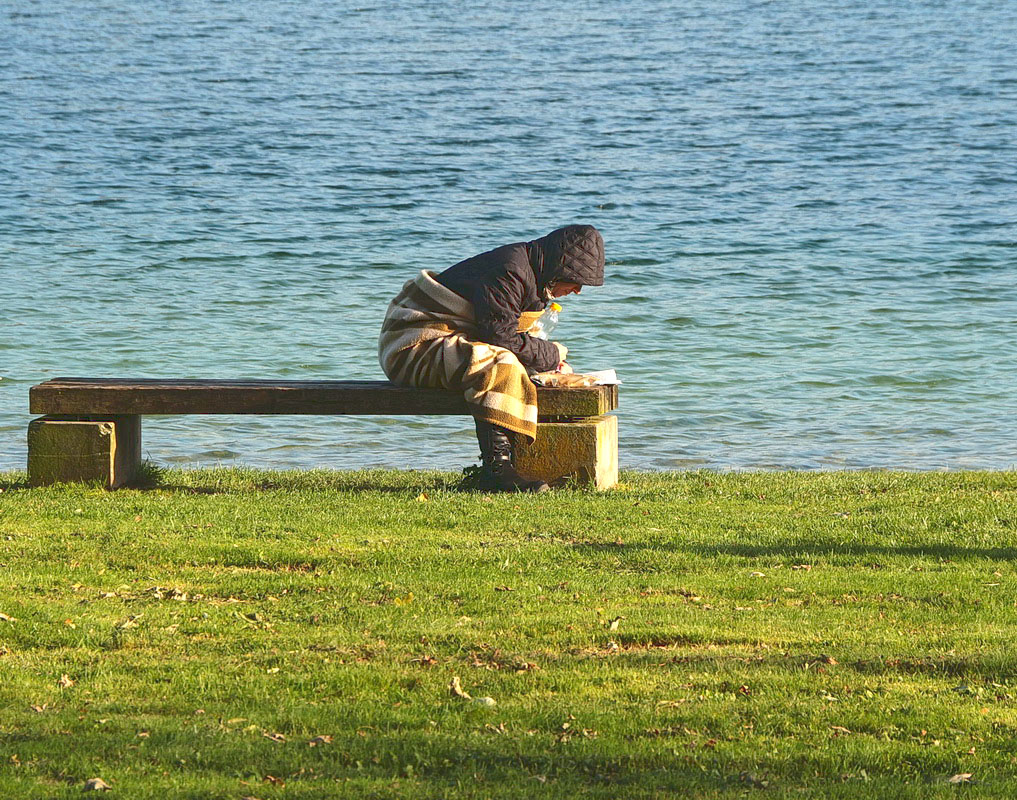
(104, 449)
(584, 450)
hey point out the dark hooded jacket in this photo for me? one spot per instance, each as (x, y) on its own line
(504, 282)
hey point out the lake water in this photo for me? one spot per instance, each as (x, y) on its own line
(809, 211)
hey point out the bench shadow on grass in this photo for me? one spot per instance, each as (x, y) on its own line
(269, 486)
(215, 481)
(405, 482)
(13, 482)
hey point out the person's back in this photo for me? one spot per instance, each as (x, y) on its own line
(501, 285)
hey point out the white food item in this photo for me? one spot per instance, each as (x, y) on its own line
(604, 377)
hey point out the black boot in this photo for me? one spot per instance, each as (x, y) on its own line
(499, 473)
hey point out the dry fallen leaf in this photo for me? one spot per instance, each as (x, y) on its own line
(274, 780)
(322, 739)
(614, 623)
(5, 618)
(275, 737)
(65, 681)
(961, 777)
(839, 729)
(455, 688)
(96, 785)
(39, 709)
(422, 497)
(756, 575)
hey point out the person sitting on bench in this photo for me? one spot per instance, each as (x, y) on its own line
(465, 329)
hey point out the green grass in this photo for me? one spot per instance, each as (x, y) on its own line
(693, 634)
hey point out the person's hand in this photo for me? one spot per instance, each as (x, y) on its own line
(562, 351)
(564, 368)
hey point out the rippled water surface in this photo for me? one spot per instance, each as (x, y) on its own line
(809, 211)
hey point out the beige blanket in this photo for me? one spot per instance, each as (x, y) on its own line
(429, 339)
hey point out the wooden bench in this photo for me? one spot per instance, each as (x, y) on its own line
(92, 426)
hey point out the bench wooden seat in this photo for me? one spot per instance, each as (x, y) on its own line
(92, 427)
(157, 396)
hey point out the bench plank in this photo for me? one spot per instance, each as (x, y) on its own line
(95, 396)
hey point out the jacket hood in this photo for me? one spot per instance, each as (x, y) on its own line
(574, 253)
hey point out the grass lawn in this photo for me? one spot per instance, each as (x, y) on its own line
(233, 633)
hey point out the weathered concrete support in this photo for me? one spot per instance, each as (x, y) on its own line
(584, 450)
(105, 449)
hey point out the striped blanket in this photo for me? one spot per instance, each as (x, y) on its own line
(429, 340)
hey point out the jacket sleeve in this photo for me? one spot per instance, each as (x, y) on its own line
(496, 306)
